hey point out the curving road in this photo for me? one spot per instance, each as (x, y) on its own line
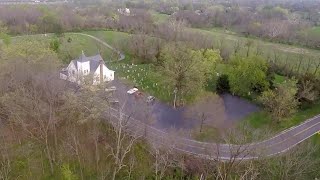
(280, 143)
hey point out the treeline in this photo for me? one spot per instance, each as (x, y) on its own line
(272, 23)
(279, 21)
(283, 23)
(28, 19)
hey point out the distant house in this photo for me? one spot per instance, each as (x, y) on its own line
(92, 69)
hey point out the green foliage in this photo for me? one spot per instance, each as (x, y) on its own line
(67, 174)
(282, 101)
(5, 38)
(55, 44)
(188, 70)
(223, 84)
(4, 34)
(278, 79)
(247, 75)
(31, 52)
(267, 49)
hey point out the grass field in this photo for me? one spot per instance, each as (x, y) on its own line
(111, 37)
(71, 45)
(73, 49)
(281, 54)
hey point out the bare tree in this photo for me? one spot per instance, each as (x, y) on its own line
(295, 164)
(209, 111)
(163, 160)
(123, 141)
(275, 28)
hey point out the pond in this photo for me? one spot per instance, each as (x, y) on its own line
(219, 111)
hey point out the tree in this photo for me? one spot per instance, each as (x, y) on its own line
(308, 86)
(247, 75)
(209, 110)
(298, 163)
(123, 142)
(281, 102)
(186, 69)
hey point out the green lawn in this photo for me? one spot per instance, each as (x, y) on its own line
(72, 49)
(71, 45)
(111, 37)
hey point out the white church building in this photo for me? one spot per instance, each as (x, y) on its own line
(92, 69)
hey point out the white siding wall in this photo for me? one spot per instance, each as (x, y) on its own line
(83, 68)
(72, 71)
(107, 74)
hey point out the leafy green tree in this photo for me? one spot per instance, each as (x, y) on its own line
(188, 70)
(281, 102)
(247, 75)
